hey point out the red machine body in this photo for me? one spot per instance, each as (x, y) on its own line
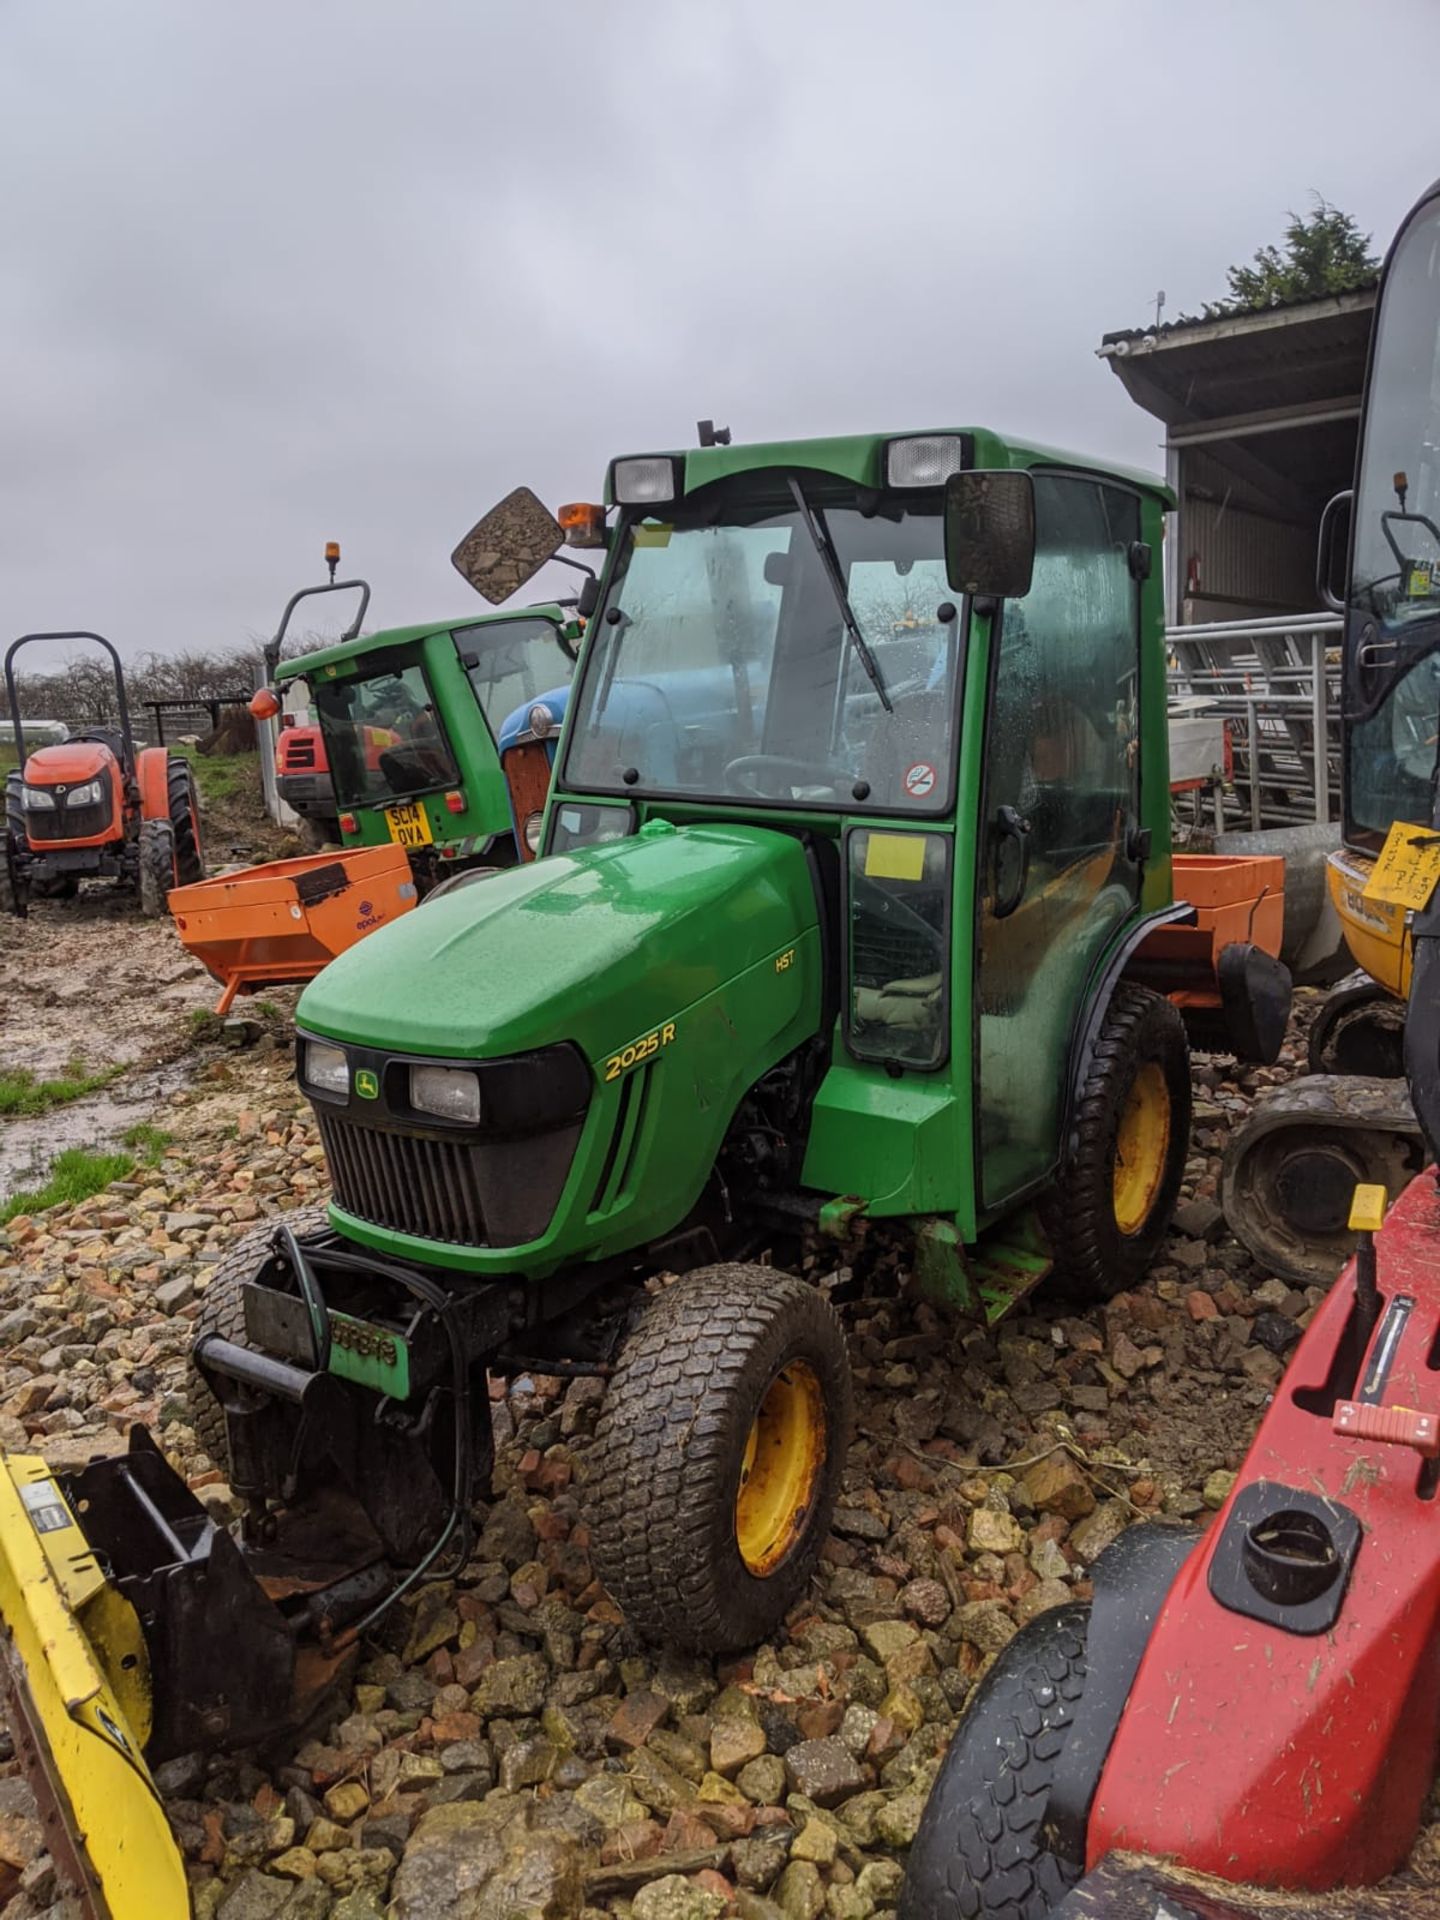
(1303, 1759)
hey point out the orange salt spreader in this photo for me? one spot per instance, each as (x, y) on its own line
(279, 924)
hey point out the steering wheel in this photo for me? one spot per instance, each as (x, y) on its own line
(743, 775)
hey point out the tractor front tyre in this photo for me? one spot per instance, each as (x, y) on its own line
(980, 1853)
(157, 866)
(14, 895)
(1111, 1204)
(718, 1456)
(222, 1311)
(185, 822)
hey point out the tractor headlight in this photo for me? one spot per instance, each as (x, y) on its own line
(541, 721)
(326, 1068)
(37, 800)
(533, 824)
(646, 480)
(924, 460)
(450, 1093)
(86, 796)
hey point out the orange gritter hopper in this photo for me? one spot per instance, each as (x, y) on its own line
(281, 923)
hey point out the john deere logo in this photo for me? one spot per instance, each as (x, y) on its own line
(366, 1084)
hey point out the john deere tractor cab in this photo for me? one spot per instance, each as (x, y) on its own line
(93, 806)
(1289, 1172)
(410, 720)
(858, 911)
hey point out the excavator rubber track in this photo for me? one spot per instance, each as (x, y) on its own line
(1292, 1166)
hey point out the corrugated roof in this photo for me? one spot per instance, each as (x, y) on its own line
(1305, 356)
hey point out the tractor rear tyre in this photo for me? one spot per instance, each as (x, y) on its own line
(718, 1456)
(222, 1311)
(157, 866)
(185, 822)
(1111, 1204)
(980, 1853)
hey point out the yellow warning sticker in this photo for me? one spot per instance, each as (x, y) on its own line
(653, 533)
(895, 856)
(1408, 867)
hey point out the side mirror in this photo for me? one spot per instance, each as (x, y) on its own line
(508, 546)
(1334, 521)
(990, 532)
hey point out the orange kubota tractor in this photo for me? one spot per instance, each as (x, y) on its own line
(94, 806)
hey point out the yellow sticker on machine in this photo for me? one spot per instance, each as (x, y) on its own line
(1408, 867)
(895, 856)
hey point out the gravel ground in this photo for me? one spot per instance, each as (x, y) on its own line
(510, 1748)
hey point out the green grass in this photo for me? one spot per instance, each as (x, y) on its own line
(147, 1143)
(223, 776)
(74, 1176)
(22, 1093)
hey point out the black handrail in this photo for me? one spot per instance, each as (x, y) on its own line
(271, 654)
(13, 696)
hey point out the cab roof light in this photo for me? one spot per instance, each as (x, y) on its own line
(584, 524)
(924, 460)
(332, 557)
(648, 479)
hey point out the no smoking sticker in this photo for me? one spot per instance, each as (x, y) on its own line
(920, 780)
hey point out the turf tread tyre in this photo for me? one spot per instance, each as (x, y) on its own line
(665, 1464)
(222, 1311)
(980, 1853)
(157, 866)
(1093, 1257)
(184, 822)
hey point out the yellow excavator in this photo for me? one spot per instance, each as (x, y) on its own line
(1290, 1169)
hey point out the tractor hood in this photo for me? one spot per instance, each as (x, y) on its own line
(71, 762)
(597, 947)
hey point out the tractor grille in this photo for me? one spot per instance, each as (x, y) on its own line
(407, 1182)
(64, 823)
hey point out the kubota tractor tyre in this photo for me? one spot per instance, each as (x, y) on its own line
(185, 823)
(981, 1853)
(157, 866)
(718, 1456)
(1111, 1203)
(222, 1311)
(13, 898)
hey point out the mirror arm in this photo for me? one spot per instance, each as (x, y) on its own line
(564, 560)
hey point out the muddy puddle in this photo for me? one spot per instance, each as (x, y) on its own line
(87, 987)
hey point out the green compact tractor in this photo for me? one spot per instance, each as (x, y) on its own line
(409, 723)
(857, 910)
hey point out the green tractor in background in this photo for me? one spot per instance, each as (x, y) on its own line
(858, 907)
(409, 722)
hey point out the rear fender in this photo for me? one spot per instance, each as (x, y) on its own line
(1132, 1578)
(152, 774)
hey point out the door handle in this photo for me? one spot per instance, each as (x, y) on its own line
(1012, 859)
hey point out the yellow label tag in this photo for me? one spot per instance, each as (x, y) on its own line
(1408, 867)
(895, 856)
(1421, 579)
(652, 534)
(1367, 1209)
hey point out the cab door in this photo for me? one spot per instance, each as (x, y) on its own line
(1060, 861)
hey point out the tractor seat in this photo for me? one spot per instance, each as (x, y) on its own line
(909, 1004)
(107, 737)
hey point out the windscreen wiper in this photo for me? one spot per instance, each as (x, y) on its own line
(819, 533)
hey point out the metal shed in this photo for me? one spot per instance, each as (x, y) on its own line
(1261, 412)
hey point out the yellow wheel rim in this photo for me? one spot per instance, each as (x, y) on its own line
(1141, 1147)
(780, 1474)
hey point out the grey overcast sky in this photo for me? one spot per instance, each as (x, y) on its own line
(279, 270)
